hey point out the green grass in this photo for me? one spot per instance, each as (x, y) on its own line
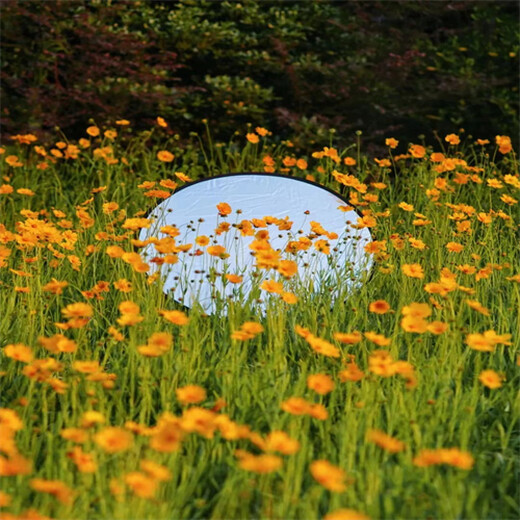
(449, 406)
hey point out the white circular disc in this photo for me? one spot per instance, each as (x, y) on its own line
(199, 278)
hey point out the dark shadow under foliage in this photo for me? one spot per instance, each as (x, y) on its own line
(297, 68)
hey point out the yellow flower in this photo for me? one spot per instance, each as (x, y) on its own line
(252, 138)
(279, 441)
(93, 131)
(349, 338)
(406, 207)
(322, 346)
(190, 394)
(417, 151)
(165, 156)
(385, 441)
(78, 310)
(379, 307)
(161, 122)
(450, 456)
(413, 270)
(258, 463)
(321, 383)
(453, 139)
(19, 352)
(141, 485)
(271, 286)
(175, 317)
(55, 488)
(378, 339)
(155, 471)
(490, 379)
(477, 306)
(345, 514)
(391, 142)
(296, 406)
(329, 476)
(113, 439)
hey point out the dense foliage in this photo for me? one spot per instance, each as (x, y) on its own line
(299, 68)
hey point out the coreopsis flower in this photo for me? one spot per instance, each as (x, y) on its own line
(5, 499)
(175, 317)
(490, 379)
(345, 514)
(301, 164)
(129, 313)
(136, 223)
(454, 247)
(252, 138)
(296, 406)
(287, 268)
(93, 131)
(329, 476)
(74, 435)
(437, 327)
(405, 206)
(224, 209)
(218, 251)
(141, 484)
(487, 341)
(271, 286)
(113, 439)
(91, 418)
(379, 307)
(453, 139)
(318, 411)
(289, 297)
(258, 463)
(279, 441)
(248, 330)
(166, 437)
(385, 441)
(414, 324)
(351, 373)
(321, 383)
(349, 338)
(155, 471)
(165, 156)
(15, 464)
(477, 306)
(182, 177)
(391, 142)
(451, 456)
(190, 394)
(413, 270)
(417, 151)
(85, 462)
(504, 143)
(12, 160)
(322, 346)
(55, 286)
(383, 163)
(378, 339)
(56, 488)
(199, 420)
(19, 352)
(234, 278)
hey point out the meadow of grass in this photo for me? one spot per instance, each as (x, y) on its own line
(397, 401)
